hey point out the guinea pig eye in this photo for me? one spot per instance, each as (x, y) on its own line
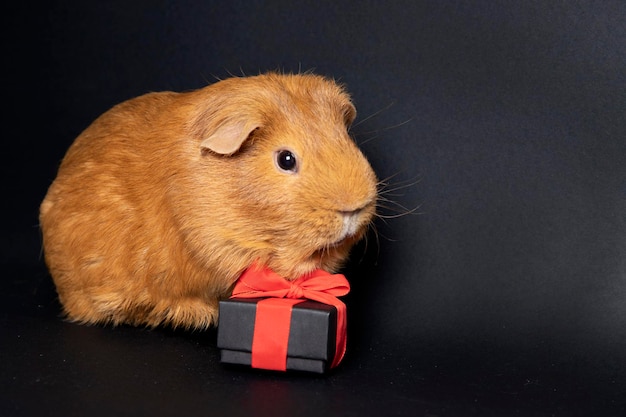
(286, 160)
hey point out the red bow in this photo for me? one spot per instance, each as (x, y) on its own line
(318, 286)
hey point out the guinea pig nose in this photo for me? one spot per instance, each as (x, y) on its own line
(354, 214)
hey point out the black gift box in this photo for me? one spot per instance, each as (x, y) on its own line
(312, 334)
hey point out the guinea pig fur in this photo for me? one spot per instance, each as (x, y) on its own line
(163, 201)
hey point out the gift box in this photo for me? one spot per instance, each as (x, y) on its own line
(306, 342)
(278, 324)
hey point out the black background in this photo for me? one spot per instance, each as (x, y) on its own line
(502, 123)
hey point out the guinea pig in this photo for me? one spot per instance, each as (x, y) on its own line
(161, 203)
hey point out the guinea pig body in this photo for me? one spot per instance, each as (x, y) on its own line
(163, 201)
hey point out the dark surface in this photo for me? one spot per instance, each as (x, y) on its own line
(504, 294)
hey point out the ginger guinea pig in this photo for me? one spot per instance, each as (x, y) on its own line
(163, 201)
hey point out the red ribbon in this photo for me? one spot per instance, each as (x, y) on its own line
(321, 286)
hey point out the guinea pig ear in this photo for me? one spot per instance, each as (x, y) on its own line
(229, 136)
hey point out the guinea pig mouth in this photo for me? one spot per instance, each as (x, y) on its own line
(345, 240)
(351, 231)
(325, 249)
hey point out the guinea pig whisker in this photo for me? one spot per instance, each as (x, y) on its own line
(374, 229)
(384, 129)
(378, 234)
(376, 113)
(396, 216)
(384, 185)
(390, 190)
(393, 206)
(370, 139)
(370, 230)
(388, 195)
(377, 133)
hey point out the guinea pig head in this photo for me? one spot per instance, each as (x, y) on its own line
(277, 169)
